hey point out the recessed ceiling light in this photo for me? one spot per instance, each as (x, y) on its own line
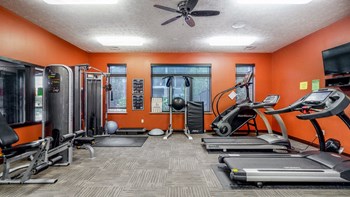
(238, 25)
(120, 41)
(274, 1)
(231, 41)
(80, 1)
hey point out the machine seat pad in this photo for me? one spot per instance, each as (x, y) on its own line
(84, 140)
(21, 148)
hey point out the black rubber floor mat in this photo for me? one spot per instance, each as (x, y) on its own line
(118, 141)
(222, 173)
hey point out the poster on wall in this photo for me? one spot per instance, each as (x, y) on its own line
(315, 84)
(157, 104)
(303, 85)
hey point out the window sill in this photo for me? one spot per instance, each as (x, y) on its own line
(117, 112)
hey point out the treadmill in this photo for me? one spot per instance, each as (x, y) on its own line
(309, 166)
(264, 142)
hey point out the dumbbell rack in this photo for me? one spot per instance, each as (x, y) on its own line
(137, 94)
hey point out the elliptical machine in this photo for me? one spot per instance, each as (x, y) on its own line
(182, 103)
(234, 117)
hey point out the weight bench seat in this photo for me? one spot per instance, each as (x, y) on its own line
(84, 140)
(21, 148)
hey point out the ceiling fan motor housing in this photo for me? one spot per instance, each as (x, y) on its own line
(182, 6)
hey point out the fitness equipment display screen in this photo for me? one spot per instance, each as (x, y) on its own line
(54, 81)
(271, 99)
(317, 97)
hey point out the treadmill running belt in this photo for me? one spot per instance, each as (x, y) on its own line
(236, 140)
(278, 163)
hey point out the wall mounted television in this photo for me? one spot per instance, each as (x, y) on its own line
(337, 60)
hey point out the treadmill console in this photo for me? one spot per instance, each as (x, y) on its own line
(269, 102)
(324, 103)
(317, 98)
(271, 99)
(318, 104)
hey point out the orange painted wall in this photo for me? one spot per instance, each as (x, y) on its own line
(23, 40)
(223, 76)
(302, 61)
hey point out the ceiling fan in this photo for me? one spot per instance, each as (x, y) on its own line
(185, 9)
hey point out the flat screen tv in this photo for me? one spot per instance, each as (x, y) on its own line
(337, 60)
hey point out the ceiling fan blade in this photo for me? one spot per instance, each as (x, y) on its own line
(189, 20)
(190, 4)
(171, 20)
(205, 13)
(166, 8)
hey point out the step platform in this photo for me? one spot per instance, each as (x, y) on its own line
(131, 131)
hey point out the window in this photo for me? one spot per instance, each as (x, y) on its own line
(38, 94)
(200, 82)
(12, 92)
(19, 86)
(241, 71)
(117, 96)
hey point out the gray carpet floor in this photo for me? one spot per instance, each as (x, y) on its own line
(168, 168)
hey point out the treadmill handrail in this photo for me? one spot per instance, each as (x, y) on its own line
(290, 108)
(279, 111)
(262, 105)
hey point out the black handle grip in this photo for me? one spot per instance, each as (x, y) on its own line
(187, 81)
(67, 137)
(79, 133)
(279, 111)
(169, 81)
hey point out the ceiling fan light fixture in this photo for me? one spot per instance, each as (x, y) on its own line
(231, 41)
(274, 1)
(120, 41)
(80, 1)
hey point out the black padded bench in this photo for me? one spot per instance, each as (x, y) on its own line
(81, 142)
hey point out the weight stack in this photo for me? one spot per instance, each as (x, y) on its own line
(195, 117)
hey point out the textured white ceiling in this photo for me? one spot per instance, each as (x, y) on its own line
(275, 25)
